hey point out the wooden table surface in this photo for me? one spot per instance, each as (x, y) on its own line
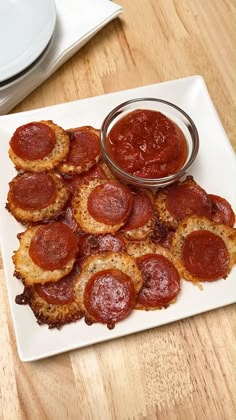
(185, 370)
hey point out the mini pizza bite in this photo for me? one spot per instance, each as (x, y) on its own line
(222, 211)
(46, 253)
(107, 287)
(53, 303)
(181, 200)
(141, 219)
(102, 207)
(35, 197)
(84, 151)
(38, 146)
(161, 280)
(204, 250)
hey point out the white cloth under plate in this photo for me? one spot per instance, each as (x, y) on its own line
(77, 22)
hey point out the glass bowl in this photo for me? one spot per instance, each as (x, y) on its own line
(174, 113)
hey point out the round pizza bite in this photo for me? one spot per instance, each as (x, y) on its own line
(34, 197)
(38, 146)
(46, 253)
(102, 207)
(222, 211)
(53, 303)
(181, 200)
(141, 219)
(161, 280)
(204, 250)
(84, 151)
(107, 287)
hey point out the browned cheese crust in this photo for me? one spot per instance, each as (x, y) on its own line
(139, 249)
(160, 202)
(27, 270)
(66, 168)
(192, 224)
(55, 316)
(57, 155)
(107, 170)
(106, 261)
(52, 210)
(81, 214)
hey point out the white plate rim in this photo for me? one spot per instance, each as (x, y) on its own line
(186, 93)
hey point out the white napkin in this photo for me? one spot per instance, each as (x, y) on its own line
(77, 22)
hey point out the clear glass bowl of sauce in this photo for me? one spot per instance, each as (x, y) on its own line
(148, 142)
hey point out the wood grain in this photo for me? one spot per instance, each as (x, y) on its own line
(185, 370)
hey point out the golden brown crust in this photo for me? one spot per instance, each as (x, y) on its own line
(55, 316)
(106, 261)
(81, 214)
(160, 202)
(66, 168)
(107, 170)
(50, 161)
(193, 223)
(160, 207)
(139, 249)
(33, 216)
(140, 233)
(27, 270)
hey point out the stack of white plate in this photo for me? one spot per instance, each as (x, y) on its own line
(38, 36)
(26, 34)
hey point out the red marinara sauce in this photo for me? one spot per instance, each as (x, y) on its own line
(147, 144)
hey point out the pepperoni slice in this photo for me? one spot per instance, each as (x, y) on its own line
(161, 281)
(93, 244)
(110, 203)
(53, 246)
(33, 141)
(74, 181)
(60, 292)
(109, 296)
(84, 146)
(31, 191)
(221, 210)
(205, 255)
(141, 213)
(186, 200)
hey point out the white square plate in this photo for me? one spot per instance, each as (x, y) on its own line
(214, 170)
